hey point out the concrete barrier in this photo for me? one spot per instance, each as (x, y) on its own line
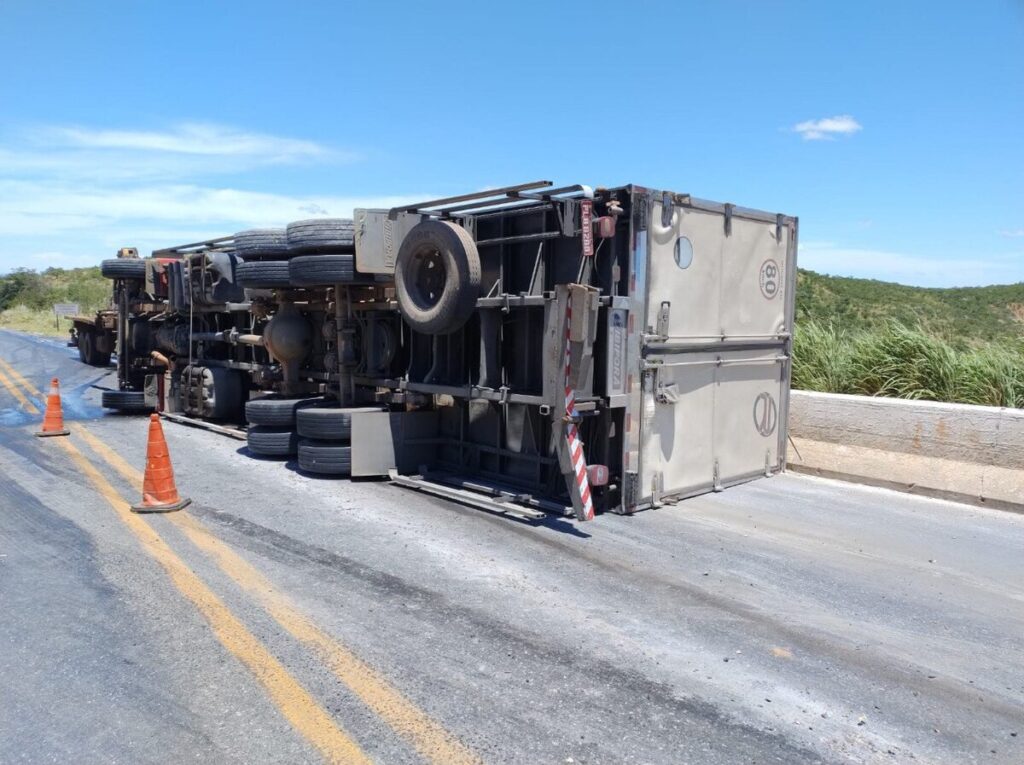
(956, 451)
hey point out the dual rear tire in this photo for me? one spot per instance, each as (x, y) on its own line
(88, 349)
(318, 434)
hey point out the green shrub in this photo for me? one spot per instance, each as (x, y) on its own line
(821, 359)
(903, 362)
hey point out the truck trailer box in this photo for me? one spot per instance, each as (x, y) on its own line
(627, 346)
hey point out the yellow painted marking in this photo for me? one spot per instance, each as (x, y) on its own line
(431, 740)
(13, 390)
(428, 737)
(19, 378)
(112, 458)
(781, 653)
(295, 702)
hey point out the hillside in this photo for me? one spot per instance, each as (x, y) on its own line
(27, 297)
(965, 316)
(40, 290)
(968, 316)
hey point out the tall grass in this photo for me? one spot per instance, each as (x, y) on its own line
(903, 362)
(38, 321)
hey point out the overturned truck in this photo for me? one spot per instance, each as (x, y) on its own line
(527, 349)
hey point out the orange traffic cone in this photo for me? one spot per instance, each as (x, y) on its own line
(159, 494)
(53, 419)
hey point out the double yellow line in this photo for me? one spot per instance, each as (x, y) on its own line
(13, 389)
(296, 704)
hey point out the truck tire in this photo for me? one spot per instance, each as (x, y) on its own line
(321, 270)
(272, 442)
(261, 243)
(325, 458)
(328, 423)
(437, 277)
(88, 352)
(275, 411)
(140, 337)
(321, 235)
(263, 273)
(124, 268)
(132, 401)
(83, 344)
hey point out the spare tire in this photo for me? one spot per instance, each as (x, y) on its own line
(125, 401)
(271, 442)
(124, 268)
(276, 411)
(261, 243)
(328, 423)
(437, 277)
(259, 273)
(325, 458)
(321, 270)
(321, 235)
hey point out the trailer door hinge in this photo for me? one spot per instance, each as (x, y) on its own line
(630, 484)
(667, 393)
(640, 213)
(728, 218)
(716, 478)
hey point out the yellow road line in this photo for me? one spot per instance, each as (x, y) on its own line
(431, 740)
(428, 737)
(112, 458)
(18, 377)
(14, 391)
(294, 702)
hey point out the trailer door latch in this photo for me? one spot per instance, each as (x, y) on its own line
(663, 316)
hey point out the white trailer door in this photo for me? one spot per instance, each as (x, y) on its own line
(715, 350)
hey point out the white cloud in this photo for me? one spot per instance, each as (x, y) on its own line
(828, 128)
(27, 207)
(906, 268)
(73, 195)
(205, 139)
(65, 220)
(1013, 232)
(184, 151)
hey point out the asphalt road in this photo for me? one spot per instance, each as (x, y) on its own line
(288, 619)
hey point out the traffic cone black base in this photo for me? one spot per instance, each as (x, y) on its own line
(165, 507)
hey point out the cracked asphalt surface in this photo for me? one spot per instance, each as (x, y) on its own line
(790, 620)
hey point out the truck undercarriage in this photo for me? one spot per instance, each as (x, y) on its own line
(527, 349)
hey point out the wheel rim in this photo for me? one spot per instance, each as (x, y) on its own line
(429, 277)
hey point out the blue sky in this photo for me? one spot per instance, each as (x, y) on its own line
(894, 130)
